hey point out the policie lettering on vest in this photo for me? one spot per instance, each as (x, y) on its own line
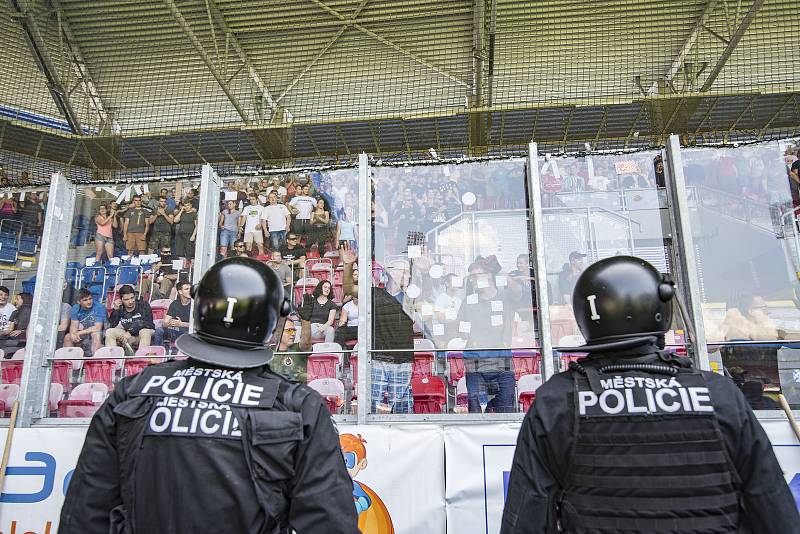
(638, 395)
(197, 401)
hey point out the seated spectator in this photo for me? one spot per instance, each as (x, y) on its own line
(569, 275)
(228, 222)
(348, 321)
(294, 254)
(163, 277)
(6, 308)
(290, 364)
(283, 271)
(86, 323)
(131, 322)
(320, 311)
(239, 250)
(63, 321)
(176, 321)
(15, 334)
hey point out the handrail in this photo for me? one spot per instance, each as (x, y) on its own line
(606, 210)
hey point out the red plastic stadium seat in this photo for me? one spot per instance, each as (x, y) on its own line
(527, 386)
(100, 371)
(456, 361)
(332, 390)
(62, 373)
(11, 371)
(8, 394)
(526, 362)
(84, 400)
(430, 394)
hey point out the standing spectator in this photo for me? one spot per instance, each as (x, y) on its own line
(348, 321)
(322, 312)
(229, 227)
(446, 307)
(522, 288)
(301, 207)
(283, 271)
(346, 229)
(30, 214)
(487, 322)
(278, 189)
(658, 167)
(6, 308)
(104, 237)
(186, 229)
(291, 188)
(170, 196)
(569, 275)
(86, 323)
(148, 201)
(193, 197)
(135, 227)
(320, 226)
(131, 321)
(8, 207)
(116, 228)
(277, 221)
(176, 321)
(162, 225)
(250, 222)
(15, 334)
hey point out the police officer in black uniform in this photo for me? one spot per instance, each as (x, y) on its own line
(218, 442)
(633, 439)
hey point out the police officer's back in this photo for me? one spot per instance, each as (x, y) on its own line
(215, 443)
(633, 439)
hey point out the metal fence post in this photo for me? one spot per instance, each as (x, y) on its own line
(684, 240)
(205, 242)
(46, 308)
(364, 286)
(535, 221)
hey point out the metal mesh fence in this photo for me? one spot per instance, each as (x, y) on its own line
(188, 81)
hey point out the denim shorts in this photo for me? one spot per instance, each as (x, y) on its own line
(100, 238)
(227, 237)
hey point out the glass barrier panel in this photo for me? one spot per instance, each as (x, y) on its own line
(593, 208)
(126, 292)
(454, 307)
(298, 224)
(21, 222)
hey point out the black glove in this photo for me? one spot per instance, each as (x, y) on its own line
(307, 308)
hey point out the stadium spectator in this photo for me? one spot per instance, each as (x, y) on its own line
(301, 207)
(239, 249)
(291, 188)
(348, 321)
(64, 316)
(135, 227)
(278, 189)
(750, 321)
(6, 308)
(250, 224)
(30, 214)
(15, 333)
(148, 201)
(320, 226)
(346, 229)
(282, 269)
(294, 254)
(658, 168)
(130, 321)
(86, 323)
(290, 363)
(486, 321)
(228, 222)
(8, 207)
(161, 221)
(447, 305)
(754, 393)
(163, 277)
(176, 321)
(569, 275)
(185, 220)
(193, 196)
(276, 221)
(323, 311)
(170, 196)
(104, 237)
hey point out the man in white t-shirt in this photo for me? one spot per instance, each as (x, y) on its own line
(301, 207)
(6, 308)
(278, 188)
(251, 221)
(276, 219)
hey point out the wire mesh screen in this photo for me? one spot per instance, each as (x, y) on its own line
(320, 77)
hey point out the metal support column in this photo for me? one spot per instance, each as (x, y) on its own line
(364, 286)
(684, 248)
(205, 242)
(35, 384)
(535, 221)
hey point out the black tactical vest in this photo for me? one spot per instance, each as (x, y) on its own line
(648, 456)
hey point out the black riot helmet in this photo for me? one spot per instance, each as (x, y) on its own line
(237, 305)
(620, 298)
